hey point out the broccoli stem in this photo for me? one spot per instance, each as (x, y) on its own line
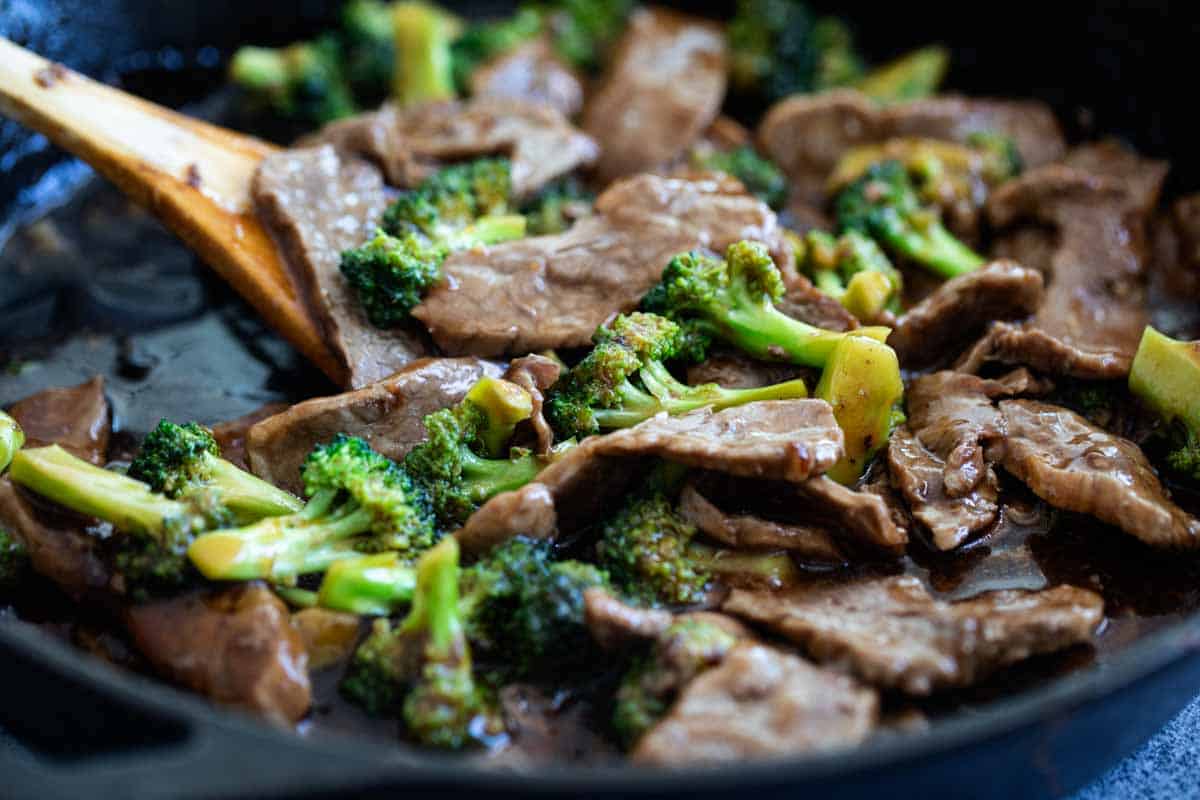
(504, 405)
(930, 245)
(259, 68)
(424, 67)
(484, 478)
(376, 585)
(910, 77)
(766, 333)
(1166, 375)
(488, 230)
(247, 496)
(127, 504)
(12, 439)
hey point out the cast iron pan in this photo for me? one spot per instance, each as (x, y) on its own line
(174, 342)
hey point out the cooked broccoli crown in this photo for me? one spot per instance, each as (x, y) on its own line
(456, 208)
(654, 679)
(556, 207)
(732, 299)
(12, 439)
(524, 610)
(424, 64)
(485, 41)
(1003, 159)
(369, 49)
(779, 49)
(1184, 455)
(758, 174)
(583, 30)
(359, 502)
(883, 204)
(452, 465)
(852, 269)
(421, 668)
(178, 460)
(14, 560)
(623, 380)
(911, 77)
(644, 547)
(303, 81)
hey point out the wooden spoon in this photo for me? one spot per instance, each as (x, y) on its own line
(193, 176)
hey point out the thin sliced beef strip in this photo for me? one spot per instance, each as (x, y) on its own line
(1094, 308)
(317, 204)
(892, 633)
(411, 144)
(235, 645)
(76, 418)
(548, 730)
(807, 303)
(388, 415)
(554, 291)
(759, 702)
(532, 72)
(807, 134)
(231, 435)
(946, 322)
(616, 625)
(528, 511)
(732, 370)
(663, 88)
(1074, 465)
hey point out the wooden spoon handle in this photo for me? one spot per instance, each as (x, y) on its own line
(194, 176)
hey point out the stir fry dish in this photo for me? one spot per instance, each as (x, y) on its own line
(712, 391)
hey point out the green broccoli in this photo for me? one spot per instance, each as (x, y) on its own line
(303, 81)
(884, 205)
(424, 65)
(556, 207)
(644, 546)
(853, 270)
(485, 41)
(622, 381)
(178, 460)
(12, 439)
(454, 464)
(758, 174)
(524, 610)
(1165, 375)
(654, 679)
(422, 667)
(369, 50)
(911, 77)
(1002, 158)
(732, 299)
(777, 48)
(765, 569)
(14, 561)
(376, 584)
(457, 208)
(583, 30)
(154, 530)
(359, 502)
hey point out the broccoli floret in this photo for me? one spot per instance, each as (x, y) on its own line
(154, 530)
(557, 206)
(884, 205)
(485, 41)
(303, 81)
(622, 381)
(1002, 158)
(645, 545)
(911, 77)
(14, 561)
(862, 383)
(1164, 375)
(732, 299)
(376, 584)
(12, 439)
(369, 48)
(853, 270)
(359, 502)
(525, 611)
(179, 460)
(654, 679)
(422, 667)
(424, 65)
(758, 174)
(583, 30)
(454, 463)
(779, 49)
(459, 207)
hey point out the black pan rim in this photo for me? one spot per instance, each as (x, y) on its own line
(377, 764)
